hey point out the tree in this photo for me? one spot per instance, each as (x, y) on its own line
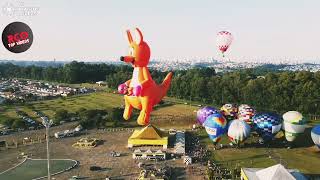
(18, 123)
(8, 122)
(61, 115)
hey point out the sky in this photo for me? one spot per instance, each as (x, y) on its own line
(95, 30)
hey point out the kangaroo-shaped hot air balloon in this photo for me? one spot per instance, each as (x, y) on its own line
(141, 91)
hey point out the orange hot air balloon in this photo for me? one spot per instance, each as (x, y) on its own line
(142, 92)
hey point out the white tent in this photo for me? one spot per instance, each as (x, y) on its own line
(137, 151)
(276, 172)
(148, 151)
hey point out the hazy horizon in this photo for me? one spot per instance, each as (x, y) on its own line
(95, 30)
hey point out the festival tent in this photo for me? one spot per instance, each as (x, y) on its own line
(276, 172)
(149, 135)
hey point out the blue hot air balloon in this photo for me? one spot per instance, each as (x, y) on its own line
(315, 135)
(216, 126)
(267, 125)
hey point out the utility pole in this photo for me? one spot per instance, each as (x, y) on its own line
(47, 123)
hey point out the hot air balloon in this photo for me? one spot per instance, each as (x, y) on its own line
(224, 40)
(238, 131)
(315, 135)
(215, 126)
(141, 92)
(229, 111)
(294, 125)
(203, 113)
(245, 113)
(267, 125)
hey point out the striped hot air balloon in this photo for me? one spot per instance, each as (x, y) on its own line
(267, 125)
(203, 113)
(294, 125)
(224, 40)
(229, 111)
(245, 113)
(315, 135)
(215, 126)
(238, 131)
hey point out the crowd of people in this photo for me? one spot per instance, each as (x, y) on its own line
(216, 171)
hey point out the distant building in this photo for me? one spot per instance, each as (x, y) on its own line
(276, 172)
(148, 136)
(149, 155)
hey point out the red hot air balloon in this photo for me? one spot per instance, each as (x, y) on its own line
(224, 40)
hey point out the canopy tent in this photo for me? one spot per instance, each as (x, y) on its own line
(276, 172)
(148, 135)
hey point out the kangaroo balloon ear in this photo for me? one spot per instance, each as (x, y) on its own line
(140, 39)
(129, 36)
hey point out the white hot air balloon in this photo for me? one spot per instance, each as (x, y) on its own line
(315, 135)
(224, 40)
(238, 131)
(294, 125)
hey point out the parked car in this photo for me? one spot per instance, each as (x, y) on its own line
(115, 154)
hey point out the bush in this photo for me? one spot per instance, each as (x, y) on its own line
(100, 118)
(18, 123)
(7, 122)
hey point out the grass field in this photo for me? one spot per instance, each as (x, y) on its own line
(162, 116)
(31, 169)
(253, 155)
(99, 100)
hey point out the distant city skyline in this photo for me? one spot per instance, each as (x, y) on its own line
(181, 29)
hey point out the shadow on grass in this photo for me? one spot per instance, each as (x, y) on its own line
(178, 173)
(166, 104)
(101, 142)
(304, 140)
(313, 176)
(106, 169)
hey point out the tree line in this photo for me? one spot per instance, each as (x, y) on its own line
(264, 89)
(74, 72)
(277, 91)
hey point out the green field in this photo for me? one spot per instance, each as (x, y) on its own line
(31, 169)
(163, 115)
(99, 100)
(257, 156)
